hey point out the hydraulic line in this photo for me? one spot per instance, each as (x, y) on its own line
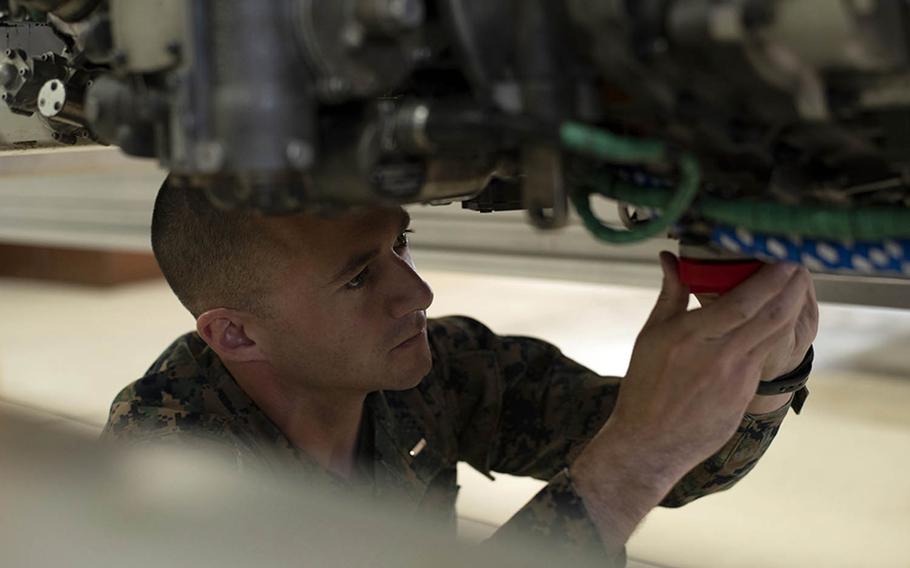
(615, 149)
(671, 209)
(824, 222)
(890, 257)
(644, 190)
(866, 223)
(603, 145)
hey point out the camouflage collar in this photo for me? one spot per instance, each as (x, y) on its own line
(404, 459)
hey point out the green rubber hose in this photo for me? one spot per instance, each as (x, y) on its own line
(863, 223)
(602, 145)
(672, 205)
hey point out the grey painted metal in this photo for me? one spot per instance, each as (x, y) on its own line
(19, 132)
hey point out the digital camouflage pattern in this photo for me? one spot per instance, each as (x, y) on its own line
(513, 405)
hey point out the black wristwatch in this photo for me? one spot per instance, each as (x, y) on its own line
(792, 381)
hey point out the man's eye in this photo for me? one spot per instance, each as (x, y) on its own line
(358, 281)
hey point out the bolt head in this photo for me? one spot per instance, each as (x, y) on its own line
(333, 88)
(407, 13)
(300, 154)
(353, 35)
(209, 156)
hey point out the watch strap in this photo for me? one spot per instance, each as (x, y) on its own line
(792, 381)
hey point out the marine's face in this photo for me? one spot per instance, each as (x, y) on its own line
(351, 308)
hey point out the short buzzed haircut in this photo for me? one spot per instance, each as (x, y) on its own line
(211, 258)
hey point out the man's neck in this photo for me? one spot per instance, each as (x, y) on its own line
(324, 424)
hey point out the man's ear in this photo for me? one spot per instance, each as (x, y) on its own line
(225, 332)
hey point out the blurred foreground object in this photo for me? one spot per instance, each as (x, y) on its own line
(68, 502)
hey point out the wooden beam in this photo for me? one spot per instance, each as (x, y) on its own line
(80, 266)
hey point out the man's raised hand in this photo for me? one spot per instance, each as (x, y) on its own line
(689, 383)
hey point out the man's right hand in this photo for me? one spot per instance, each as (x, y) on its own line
(690, 380)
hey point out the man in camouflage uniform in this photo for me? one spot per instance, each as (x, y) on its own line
(313, 352)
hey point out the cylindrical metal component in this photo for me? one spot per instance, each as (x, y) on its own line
(249, 108)
(59, 103)
(544, 194)
(108, 104)
(543, 63)
(358, 49)
(148, 35)
(119, 115)
(21, 78)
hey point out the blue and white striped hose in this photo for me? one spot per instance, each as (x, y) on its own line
(884, 258)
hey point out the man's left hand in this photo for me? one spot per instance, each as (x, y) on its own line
(789, 350)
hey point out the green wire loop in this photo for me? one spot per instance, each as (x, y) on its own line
(602, 145)
(673, 209)
(821, 222)
(861, 223)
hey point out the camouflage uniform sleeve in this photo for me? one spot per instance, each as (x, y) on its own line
(518, 405)
(147, 409)
(732, 462)
(524, 408)
(134, 422)
(556, 520)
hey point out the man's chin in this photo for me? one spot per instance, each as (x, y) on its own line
(409, 371)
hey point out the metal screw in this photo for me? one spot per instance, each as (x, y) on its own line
(353, 35)
(332, 88)
(300, 154)
(408, 14)
(209, 156)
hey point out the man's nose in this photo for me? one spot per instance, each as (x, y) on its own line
(410, 293)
